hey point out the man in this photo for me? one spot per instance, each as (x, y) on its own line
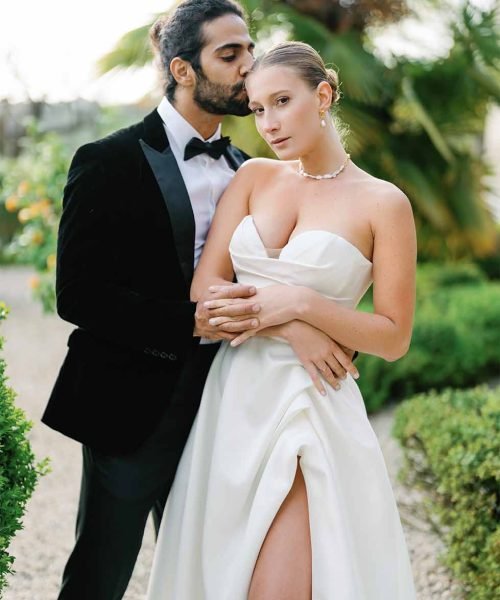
(136, 211)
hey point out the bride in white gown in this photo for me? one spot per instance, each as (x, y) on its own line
(282, 492)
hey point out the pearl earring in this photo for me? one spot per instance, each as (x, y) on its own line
(322, 115)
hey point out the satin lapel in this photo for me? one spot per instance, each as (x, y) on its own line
(234, 157)
(173, 189)
(174, 192)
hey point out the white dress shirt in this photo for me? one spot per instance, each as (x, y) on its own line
(205, 177)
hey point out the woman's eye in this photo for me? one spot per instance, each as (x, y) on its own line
(282, 100)
(257, 111)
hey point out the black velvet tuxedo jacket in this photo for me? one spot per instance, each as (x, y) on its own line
(124, 269)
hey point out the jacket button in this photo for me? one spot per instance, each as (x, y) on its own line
(172, 356)
(155, 352)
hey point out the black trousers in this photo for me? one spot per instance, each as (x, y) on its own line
(118, 493)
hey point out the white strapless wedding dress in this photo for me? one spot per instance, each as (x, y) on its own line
(260, 411)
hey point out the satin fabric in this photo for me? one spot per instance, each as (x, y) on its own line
(260, 411)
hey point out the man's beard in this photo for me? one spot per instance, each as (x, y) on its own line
(220, 99)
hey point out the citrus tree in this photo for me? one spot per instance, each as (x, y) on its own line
(32, 186)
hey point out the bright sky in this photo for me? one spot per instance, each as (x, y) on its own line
(49, 49)
(52, 46)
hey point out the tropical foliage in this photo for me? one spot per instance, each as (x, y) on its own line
(418, 123)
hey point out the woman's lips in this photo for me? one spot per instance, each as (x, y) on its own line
(279, 141)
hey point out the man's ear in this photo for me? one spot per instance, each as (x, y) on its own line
(182, 72)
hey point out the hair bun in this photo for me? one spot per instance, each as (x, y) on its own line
(333, 80)
(155, 32)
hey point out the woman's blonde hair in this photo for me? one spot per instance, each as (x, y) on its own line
(306, 62)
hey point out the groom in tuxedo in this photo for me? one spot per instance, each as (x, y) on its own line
(136, 211)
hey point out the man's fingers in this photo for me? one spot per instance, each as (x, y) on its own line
(239, 326)
(222, 321)
(233, 309)
(236, 290)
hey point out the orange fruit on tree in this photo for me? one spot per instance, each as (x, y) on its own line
(11, 203)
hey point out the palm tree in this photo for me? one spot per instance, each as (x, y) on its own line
(416, 123)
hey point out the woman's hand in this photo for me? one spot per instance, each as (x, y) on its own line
(321, 356)
(278, 304)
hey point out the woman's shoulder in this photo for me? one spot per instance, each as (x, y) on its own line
(263, 166)
(380, 192)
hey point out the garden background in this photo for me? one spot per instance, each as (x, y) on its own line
(420, 85)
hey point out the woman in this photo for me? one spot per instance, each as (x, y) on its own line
(282, 491)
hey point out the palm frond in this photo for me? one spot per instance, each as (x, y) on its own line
(423, 117)
(131, 50)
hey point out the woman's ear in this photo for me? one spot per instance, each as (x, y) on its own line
(182, 72)
(325, 96)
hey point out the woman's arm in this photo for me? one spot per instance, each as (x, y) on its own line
(386, 332)
(215, 266)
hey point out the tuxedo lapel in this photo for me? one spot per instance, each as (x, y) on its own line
(171, 184)
(235, 157)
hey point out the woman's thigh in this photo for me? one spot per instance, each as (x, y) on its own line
(283, 570)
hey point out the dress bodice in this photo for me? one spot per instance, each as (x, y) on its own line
(319, 259)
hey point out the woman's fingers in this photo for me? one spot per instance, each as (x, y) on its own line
(344, 360)
(337, 369)
(310, 367)
(328, 374)
(241, 338)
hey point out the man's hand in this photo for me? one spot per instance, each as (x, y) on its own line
(241, 314)
(278, 304)
(319, 354)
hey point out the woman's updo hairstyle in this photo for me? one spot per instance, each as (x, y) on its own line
(305, 61)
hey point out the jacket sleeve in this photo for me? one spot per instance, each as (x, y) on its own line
(86, 293)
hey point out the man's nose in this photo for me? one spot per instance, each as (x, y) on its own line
(247, 64)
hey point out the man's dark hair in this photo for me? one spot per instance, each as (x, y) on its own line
(180, 33)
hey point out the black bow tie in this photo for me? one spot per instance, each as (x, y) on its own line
(214, 149)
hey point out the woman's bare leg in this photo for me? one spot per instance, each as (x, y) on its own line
(283, 570)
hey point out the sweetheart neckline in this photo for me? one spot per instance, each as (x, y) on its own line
(307, 231)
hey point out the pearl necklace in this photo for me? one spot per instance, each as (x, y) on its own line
(326, 175)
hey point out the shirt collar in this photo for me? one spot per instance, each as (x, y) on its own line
(179, 130)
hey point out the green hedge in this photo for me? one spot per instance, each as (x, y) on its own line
(455, 342)
(434, 276)
(18, 470)
(451, 445)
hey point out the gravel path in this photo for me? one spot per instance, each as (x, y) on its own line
(34, 348)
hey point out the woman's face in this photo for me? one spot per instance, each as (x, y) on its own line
(286, 110)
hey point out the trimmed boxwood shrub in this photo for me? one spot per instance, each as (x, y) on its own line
(432, 276)
(19, 471)
(451, 446)
(455, 343)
